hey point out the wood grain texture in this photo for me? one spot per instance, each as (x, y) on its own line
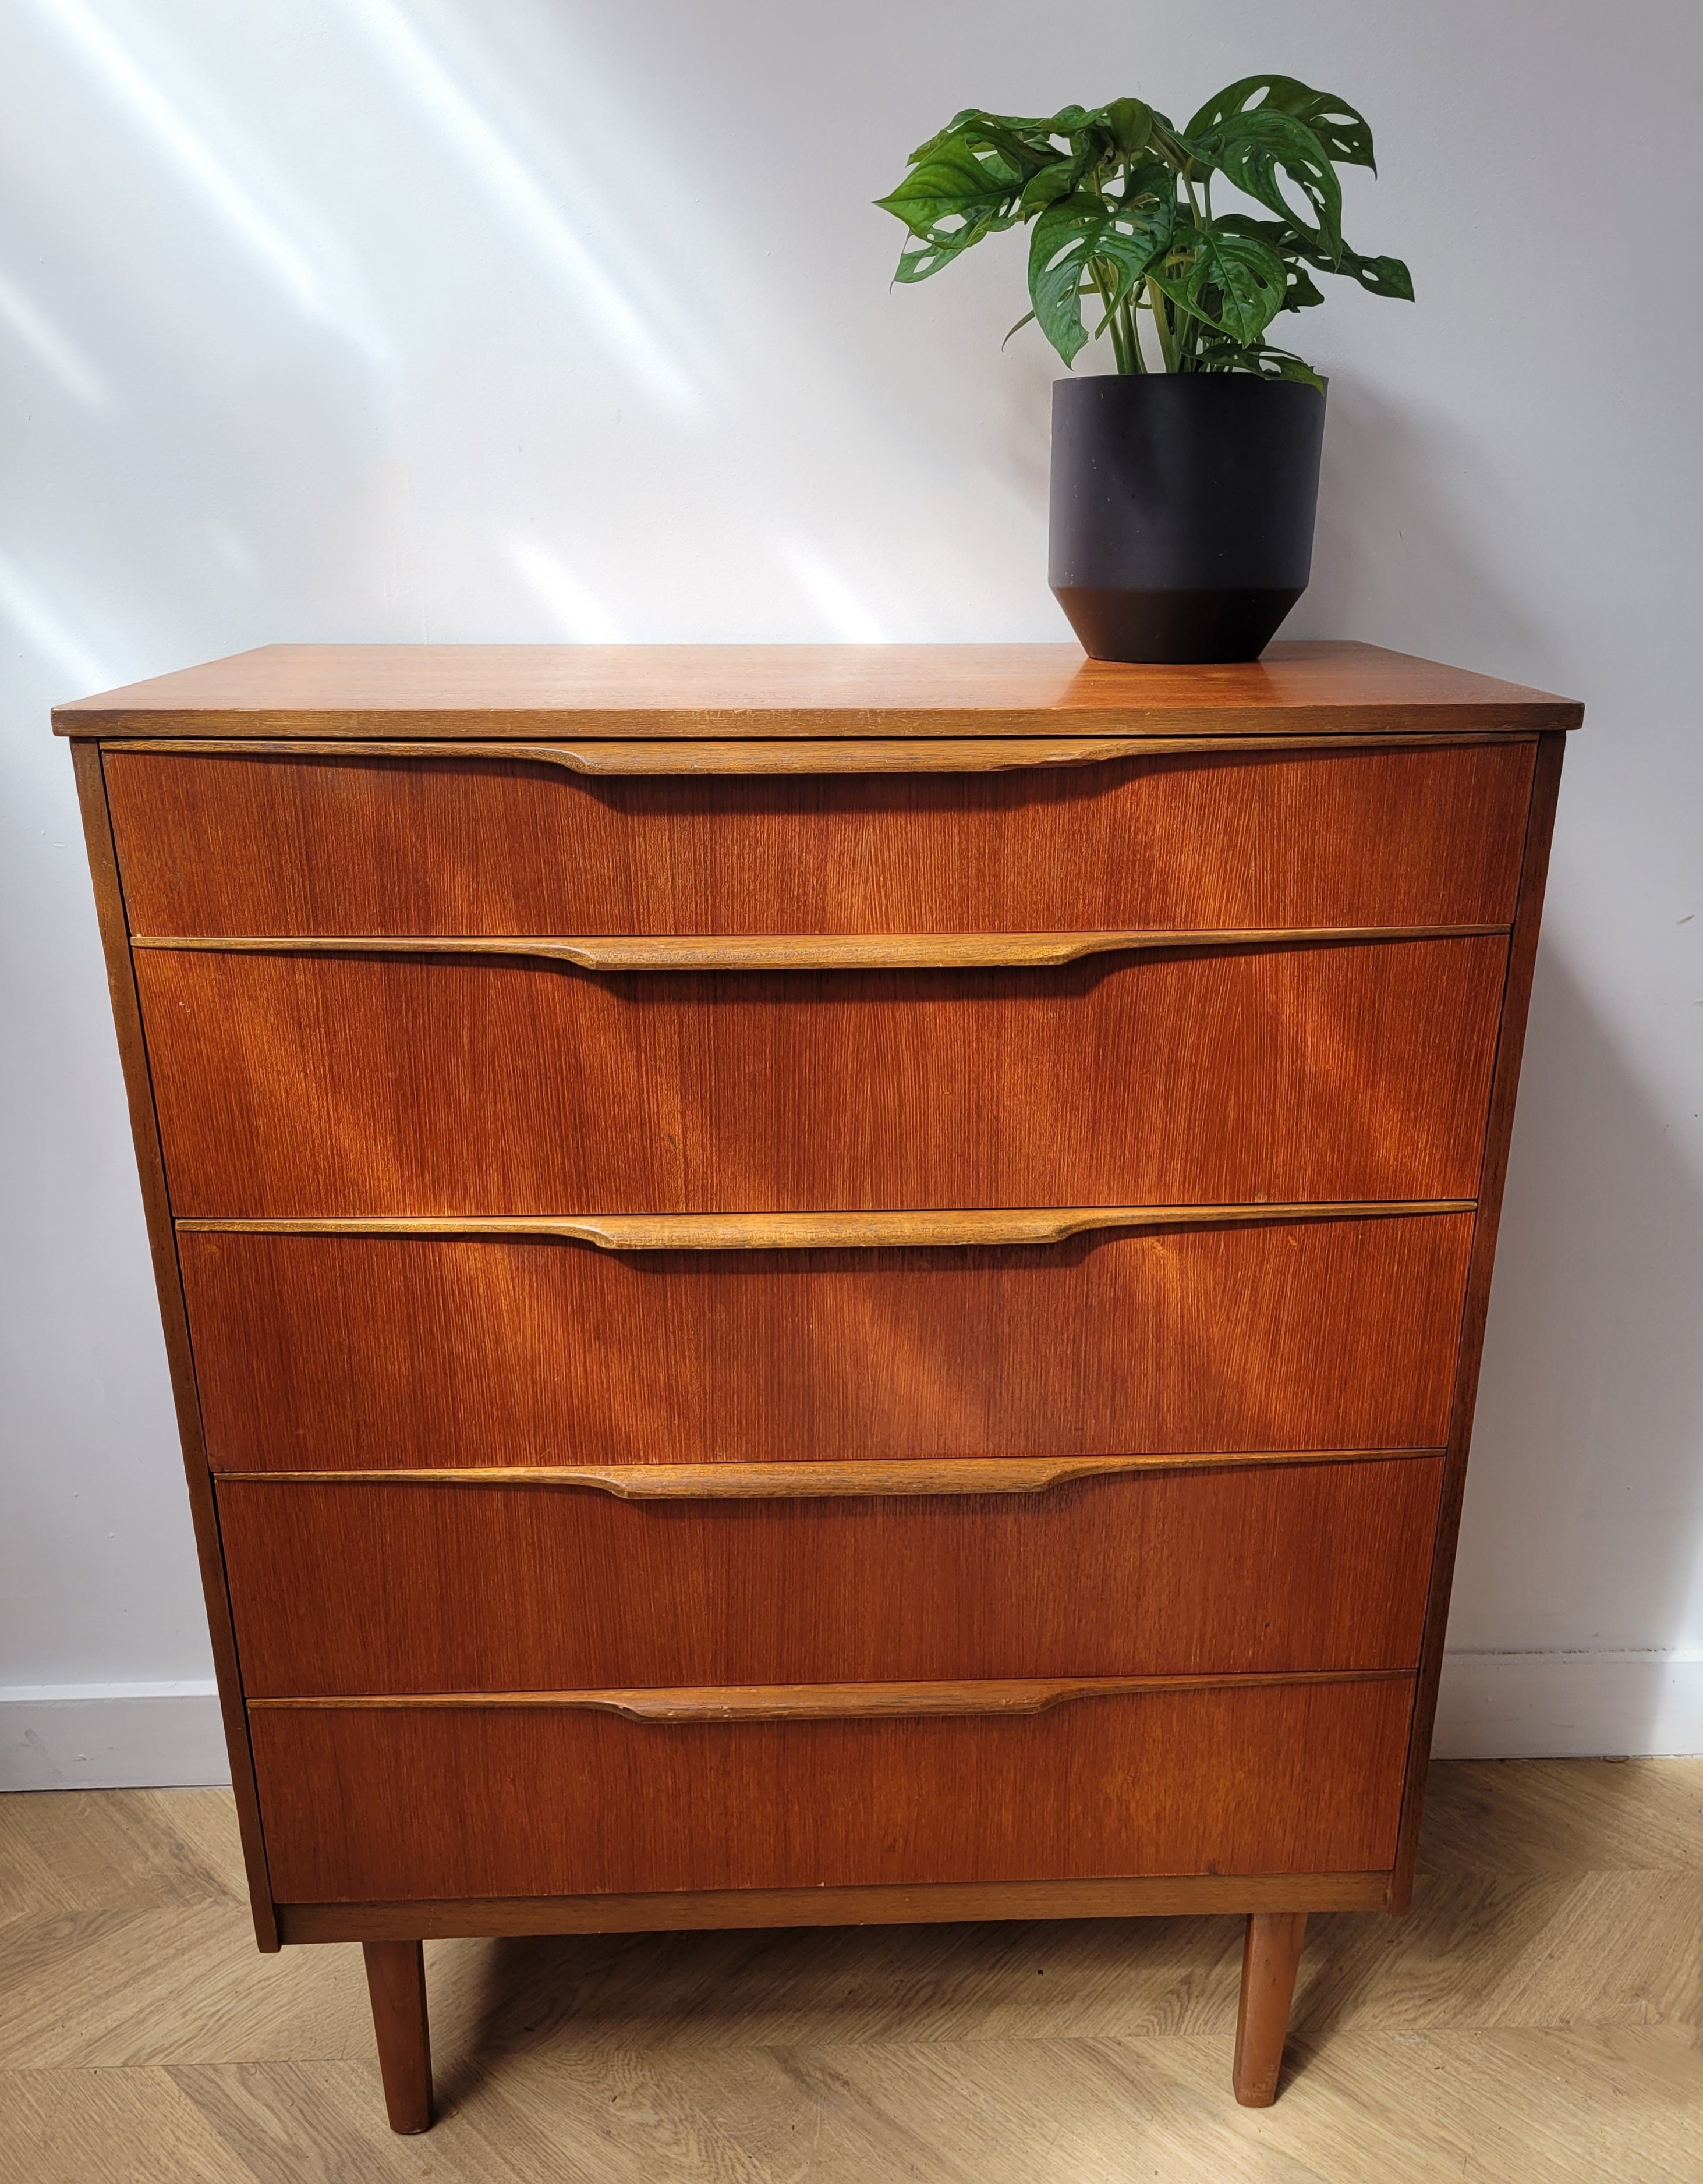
(821, 951)
(396, 1981)
(347, 1590)
(1270, 1957)
(109, 907)
(834, 1232)
(821, 1703)
(1223, 1322)
(736, 755)
(1511, 1046)
(315, 1087)
(325, 691)
(501, 1802)
(375, 1353)
(789, 1482)
(1183, 1896)
(501, 845)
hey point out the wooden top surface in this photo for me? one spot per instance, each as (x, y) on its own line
(786, 690)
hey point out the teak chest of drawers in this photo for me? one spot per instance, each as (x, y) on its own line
(816, 1284)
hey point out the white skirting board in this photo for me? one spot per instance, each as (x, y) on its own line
(110, 1736)
(1493, 1706)
(1570, 1706)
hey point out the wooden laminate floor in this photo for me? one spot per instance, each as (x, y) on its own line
(1537, 2018)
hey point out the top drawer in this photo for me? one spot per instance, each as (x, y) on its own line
(258, 844)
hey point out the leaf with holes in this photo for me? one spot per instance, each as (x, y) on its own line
(1384, 276)
(1023, 144)
(1080, 236)
(949, 201)
(1119, 203)
(1342, 128)
(1261, 150)
(1232, 282)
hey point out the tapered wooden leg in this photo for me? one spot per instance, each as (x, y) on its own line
(396, 1980)
(1269, 1956)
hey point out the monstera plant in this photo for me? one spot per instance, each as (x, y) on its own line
(1122, 206)
(1185, 484)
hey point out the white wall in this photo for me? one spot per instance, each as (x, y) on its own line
(530, 319)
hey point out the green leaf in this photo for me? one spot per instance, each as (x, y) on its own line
(1303, 291)
(950, 200)
(1217, 355)
(1130, 123)
(1053, 182)
(1102, 187)
(1153, 181)
(1254, 149)
(1073, 239)
(1022, 141)
(1163, 141)
(1384, 276)
(1103, 138)
(1232, 282)
(1342, 128)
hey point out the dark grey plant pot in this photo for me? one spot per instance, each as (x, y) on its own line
(1182, 511)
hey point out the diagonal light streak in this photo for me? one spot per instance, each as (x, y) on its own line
(46, 632)
(200, 165)
(579, 612)
(524, 199)
(51, 347)
(845, 611)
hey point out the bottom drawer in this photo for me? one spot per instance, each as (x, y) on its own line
(392, 1803)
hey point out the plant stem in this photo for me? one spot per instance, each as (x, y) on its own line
(1167, 347)
(1132, 333)
(1114, 324)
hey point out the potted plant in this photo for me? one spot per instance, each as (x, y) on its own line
(1184, 486)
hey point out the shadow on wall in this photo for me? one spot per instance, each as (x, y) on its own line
(1584, 1517)
(1583, 1529)
(1400, 503)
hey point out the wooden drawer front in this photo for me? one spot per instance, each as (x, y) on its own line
(501, 846)
(379, 1353)
(304, 1086)
(352, 1589)
(362, 1804)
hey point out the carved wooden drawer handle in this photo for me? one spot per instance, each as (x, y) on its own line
(834, 951)
(806, 1482)
(825, 1232)
(816, 754)
(836, 1701)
